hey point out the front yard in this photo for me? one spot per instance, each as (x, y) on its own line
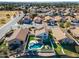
(58, 49)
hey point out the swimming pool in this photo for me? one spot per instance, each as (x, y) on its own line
(35, 46)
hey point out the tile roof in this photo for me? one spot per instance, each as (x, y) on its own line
(47, 18)
(58, 18)
(58, 34)
(37, 18)
(75, 31)
(19, 34)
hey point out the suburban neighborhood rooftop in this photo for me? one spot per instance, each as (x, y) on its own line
(19, 34)
(58, 34)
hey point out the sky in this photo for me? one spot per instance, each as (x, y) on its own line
(37, 0)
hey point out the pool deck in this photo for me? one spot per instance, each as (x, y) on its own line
(46, 54)
(41, 53)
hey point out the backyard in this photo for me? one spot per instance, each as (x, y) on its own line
(58, 48)
(47, 46)
(70, 50)
(31, 37)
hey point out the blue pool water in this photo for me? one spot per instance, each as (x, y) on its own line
(36, 46)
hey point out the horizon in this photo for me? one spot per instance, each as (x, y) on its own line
(39, 1)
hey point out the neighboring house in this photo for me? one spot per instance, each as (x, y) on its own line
(75, 31)
(75, 22)
(67, 40)
(52, 22)
(77, 16)
(27, 20)
(18, 38)
(41, 14)
(39, 33)
(58, 18)
(44, 10)
(44, 36)
(50, 13)
(59, 35)
(38, 20)
(47, 18)
(61, 13)
(68, 18)
(32, 10)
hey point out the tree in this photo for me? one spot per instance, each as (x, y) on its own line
(67, 24)
(62, 24)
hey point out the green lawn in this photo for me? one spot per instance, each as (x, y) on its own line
(70, 53)
(31, 37)
(56, 46)
(58, 49)
(3, 45)
(70, 50)
(46, 42)
(3, 49)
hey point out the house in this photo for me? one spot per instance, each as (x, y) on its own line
(47, 18)
(56, 33)
(67, 18)
(58, 18)
(75, 22)
(27, 20)
(75, 31)
(38, 20)
(32, 10)
(59, 35)
(41, 33)
(44, 10)
(52, 22)
(18, 38)
(50, 13)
